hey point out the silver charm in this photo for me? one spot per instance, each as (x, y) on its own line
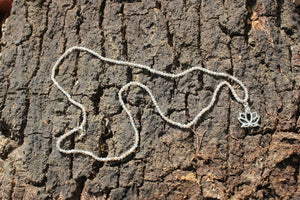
(249, 119)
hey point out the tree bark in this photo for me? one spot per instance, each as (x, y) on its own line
(255, 41)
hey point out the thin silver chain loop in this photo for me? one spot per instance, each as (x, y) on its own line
(81, 129)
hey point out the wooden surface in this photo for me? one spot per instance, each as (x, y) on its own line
(256, 41)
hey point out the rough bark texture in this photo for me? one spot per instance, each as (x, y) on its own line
(256, 41)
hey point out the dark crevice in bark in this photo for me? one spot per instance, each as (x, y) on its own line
(96, 167)
(95, 98)
(225, 30)
(127, 188)
(200, 79)
(176, 61)
(158, 5)
(123, 31)
(298, 9)
(139, 118)
(289, 140)
(4, 13)
(38, 184)
(298, 115)
(78, 191)
(63, 31)
(5, 128)
(74, 2)
(170, 36)
(278, 12)
(24, 122)
(292, 161)
(79, 20)
(71, 138)
(270, 193)
(230, 71)
(129, 74)
(186, 105)
(107, 134)
(124, 41)
(101, 13)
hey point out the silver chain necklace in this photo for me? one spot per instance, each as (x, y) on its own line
(247, 118)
